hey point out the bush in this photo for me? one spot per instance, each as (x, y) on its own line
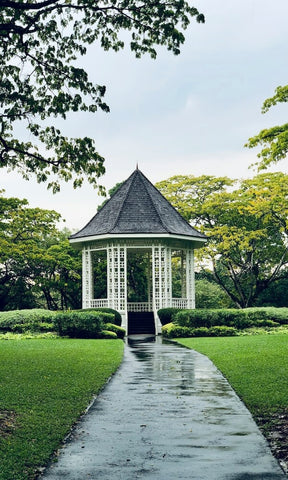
(279, 315)
(81, 324)
(170, 330)
(33, 327)
(23, 320)
(117, 320)
(166, 315)
(239, 319)
(195, 318)
(210, 295)
(222, 331)
(120, 332)
(108, 334)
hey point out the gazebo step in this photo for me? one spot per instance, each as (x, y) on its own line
(141, 322)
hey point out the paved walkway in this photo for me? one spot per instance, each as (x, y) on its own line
(168, 414)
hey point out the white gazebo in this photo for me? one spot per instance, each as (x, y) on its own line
(138, 227)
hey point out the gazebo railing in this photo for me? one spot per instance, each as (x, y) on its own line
(99, 303)
(139, 306)
(180, 302)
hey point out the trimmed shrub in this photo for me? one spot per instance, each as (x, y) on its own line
(166, 315)
(239, 319)
(195, 318)
(33, 327)
(84, 324)
(117, 319)
(222, 331)
(199, 332)
(120, 332)
(170, 330)
(108, 335)
(34, 320)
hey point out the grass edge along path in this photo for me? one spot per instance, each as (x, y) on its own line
(45, 386)
(257, 369)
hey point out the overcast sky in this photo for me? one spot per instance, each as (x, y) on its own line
(190, 114)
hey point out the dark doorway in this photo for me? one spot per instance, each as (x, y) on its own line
(141, 322)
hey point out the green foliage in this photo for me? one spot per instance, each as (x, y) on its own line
(166, 315)
(210, 295)
(223, 322)
(108, 334)
(116, 319)
(120, 332)
(48, 384)
(38, 267)
(274, 140)
(246, 224)
(172, 330)
(222, 331)
(23, 320)
(80, 324)
(41, 78)
(239, 319)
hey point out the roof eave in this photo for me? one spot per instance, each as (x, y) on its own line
(198, 241)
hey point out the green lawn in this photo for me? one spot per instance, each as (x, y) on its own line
(256, 367)
(44, 387)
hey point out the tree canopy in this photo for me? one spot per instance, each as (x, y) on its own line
(40, 77)
(274, 140)
(246, 223)
(38, 267)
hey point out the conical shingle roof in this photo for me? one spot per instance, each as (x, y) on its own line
(137, 207)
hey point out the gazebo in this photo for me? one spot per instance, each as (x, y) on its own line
(137, 229)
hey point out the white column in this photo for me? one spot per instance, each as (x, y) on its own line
(190, 278)
(87, 278)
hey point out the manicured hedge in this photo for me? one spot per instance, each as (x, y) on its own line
(81, 324)
(166, 315)
(36, 319)
(240, 319)
(170, 330)
(120, 332)
(221, 322)
(117, 317)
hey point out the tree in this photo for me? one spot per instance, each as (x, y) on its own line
(246, 224)
(274, 140)
(38, 267)
(40, 78)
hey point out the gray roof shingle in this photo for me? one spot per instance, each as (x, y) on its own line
(137, 207)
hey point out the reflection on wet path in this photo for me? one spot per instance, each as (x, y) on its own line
(167, 414)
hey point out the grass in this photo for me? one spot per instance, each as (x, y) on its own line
(45, 385)
(256, 367)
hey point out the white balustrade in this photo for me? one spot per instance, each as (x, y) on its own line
(139, 307)
(99, 303)
(180, 302)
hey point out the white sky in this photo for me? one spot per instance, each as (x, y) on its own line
(190, 114)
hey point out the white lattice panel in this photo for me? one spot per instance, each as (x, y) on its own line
(117, 278)
(190, 278)
(87, 278)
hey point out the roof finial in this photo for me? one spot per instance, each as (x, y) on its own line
(137, 166)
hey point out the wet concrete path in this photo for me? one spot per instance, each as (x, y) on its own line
(168, 414)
